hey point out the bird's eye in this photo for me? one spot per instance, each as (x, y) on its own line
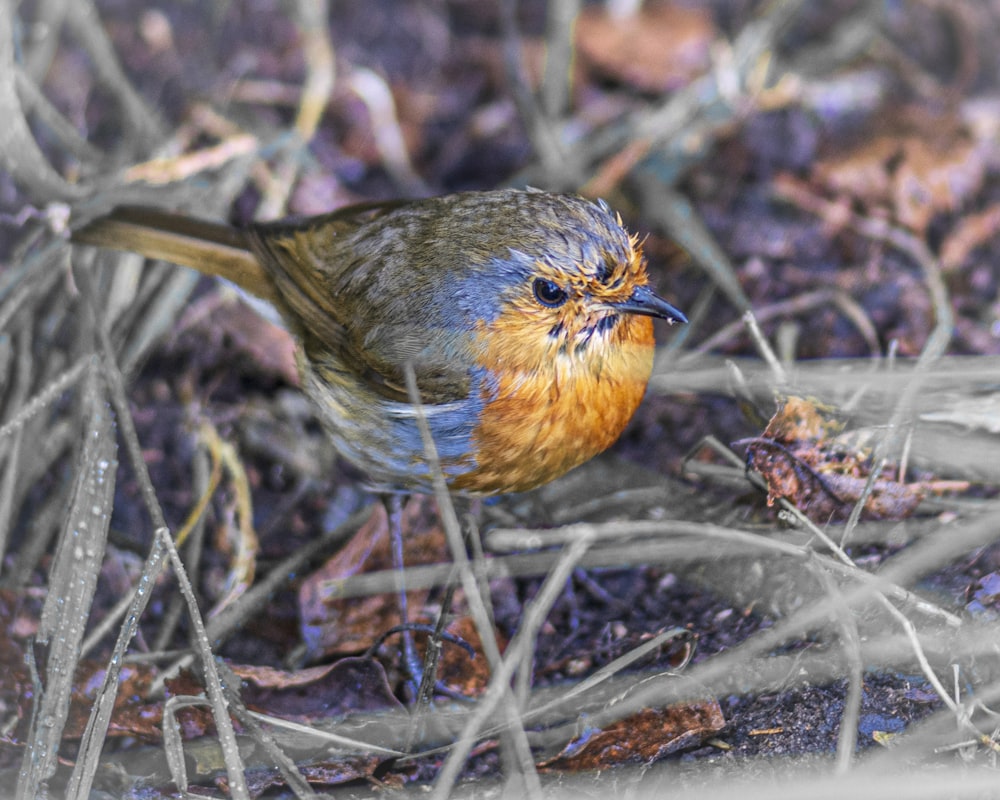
(548, 293)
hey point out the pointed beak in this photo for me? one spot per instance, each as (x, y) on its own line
(648, 303)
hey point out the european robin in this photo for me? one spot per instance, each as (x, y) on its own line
(525, 316)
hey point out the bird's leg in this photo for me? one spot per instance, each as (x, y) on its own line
(411, 664)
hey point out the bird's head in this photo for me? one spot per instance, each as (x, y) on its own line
(579, 291)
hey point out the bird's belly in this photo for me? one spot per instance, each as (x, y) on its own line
(535, 429)
(512, 434)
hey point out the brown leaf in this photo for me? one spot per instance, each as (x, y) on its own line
(802, 459)
(458, 672)
(930, 180)
(974, 230)
(334, 625)
(799, 420)
(914, 166)
(328, 772)
(269, 346)
(194, 721)
(642, 738)
(133, 713)
(351, 685)
(657, 48)
(888, 499)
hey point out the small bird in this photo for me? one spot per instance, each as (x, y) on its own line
(525, 317)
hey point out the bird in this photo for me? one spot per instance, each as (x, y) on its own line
(524, 315)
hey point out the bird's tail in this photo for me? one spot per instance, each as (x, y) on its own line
(209, 247)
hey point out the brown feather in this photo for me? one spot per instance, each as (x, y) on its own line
(209, 247)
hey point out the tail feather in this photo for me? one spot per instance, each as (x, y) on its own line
(209, 247)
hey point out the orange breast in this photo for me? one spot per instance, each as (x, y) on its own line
(552, 407)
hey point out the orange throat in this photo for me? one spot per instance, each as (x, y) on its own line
(552, 406)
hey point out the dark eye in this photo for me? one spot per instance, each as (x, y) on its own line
(548, 293)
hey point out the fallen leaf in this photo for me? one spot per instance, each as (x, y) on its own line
(458, 671)
(333, 625)
(971, 232)
(656, 48)
(269, 346)
(642, 738)
(350, 685)
(911, 167)
(804, 459)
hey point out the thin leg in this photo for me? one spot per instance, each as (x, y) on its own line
(411, 664)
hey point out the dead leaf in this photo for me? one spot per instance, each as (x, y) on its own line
(133, 714)
(458, 672)
(319, 774)
(268, 346)
(657, 48)
(914, 166)
(971, 232)
(931, 180)
(333, 625)
(803, 459)
(800, 419)
(351, 685)
(642, 738)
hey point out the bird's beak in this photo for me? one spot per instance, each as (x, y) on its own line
(648, 303)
